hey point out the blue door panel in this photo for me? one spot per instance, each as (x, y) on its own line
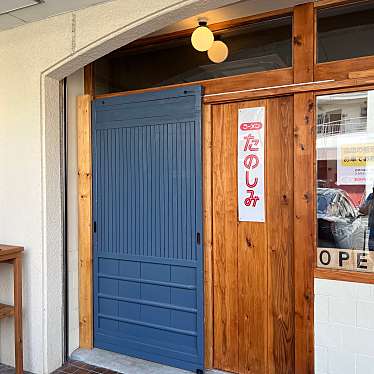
(148, 266)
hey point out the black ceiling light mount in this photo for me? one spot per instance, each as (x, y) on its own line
(203, 22)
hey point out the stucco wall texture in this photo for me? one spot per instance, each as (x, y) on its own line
(32, 60)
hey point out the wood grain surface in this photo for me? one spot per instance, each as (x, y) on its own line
(304, 230)
(254, 293)
(280, 243)
(85, 222)
(225, 238)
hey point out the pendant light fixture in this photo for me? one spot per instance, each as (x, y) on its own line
(202, 38)
(218, 52)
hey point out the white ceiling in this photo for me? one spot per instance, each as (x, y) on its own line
(9, 5)
(34, 10)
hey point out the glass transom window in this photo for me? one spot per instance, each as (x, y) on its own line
(252, 48)
(345, 32)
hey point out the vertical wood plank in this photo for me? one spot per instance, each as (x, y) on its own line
(208, 234)
(279, 207)
(253, 303)
(304, 194)
(85, 221)
(18, 339)
(89, 80)
(304, 230)
(303, 42)
(252, 284)
(225, 256)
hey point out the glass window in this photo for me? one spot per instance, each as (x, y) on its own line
(345, 32)
(345, 181)
(252, 48)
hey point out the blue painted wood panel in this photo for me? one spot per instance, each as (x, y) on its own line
(148, 265)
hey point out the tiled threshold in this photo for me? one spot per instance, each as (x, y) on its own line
(5, 369)
(125, 364)
(70, 367)
(78, 367)
(97, 361)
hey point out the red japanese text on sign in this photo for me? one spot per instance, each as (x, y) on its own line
(251, 135)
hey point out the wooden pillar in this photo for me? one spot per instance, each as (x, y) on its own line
(17, 263)
(304, 231)
(208, 234)
(85, 222)
(89, 81)
(304, 189)
(303, 43)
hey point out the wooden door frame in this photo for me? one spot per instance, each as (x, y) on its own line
(298, 81)
(85, 203)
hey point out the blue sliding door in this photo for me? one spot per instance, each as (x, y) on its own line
(148, 255)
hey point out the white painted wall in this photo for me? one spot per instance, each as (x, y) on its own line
(25, 52)
(344, 327)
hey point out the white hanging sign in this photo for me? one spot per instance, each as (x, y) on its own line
(251, 164)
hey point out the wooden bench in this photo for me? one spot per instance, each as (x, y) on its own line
(13, 255)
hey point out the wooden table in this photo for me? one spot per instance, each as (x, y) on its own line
(13, 255)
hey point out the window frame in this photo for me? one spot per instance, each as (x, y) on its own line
(340, 69)
(334, 274)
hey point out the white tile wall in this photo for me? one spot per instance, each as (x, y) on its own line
(344, 327)
(365, 313)
(364, 365)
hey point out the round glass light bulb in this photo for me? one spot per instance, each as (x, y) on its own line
(202, 39)
(218, 52)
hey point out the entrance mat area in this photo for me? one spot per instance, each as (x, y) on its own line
(123, 364)
(127, 365)
(78, 367)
